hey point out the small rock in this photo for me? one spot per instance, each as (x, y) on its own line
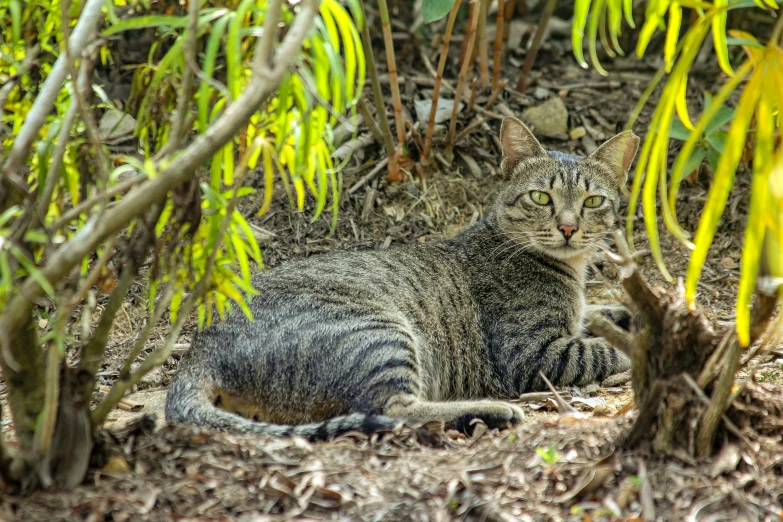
(729, 263)
(548, 119)
(540, 93)
(577, 133)
(116, 126)
(442, 113)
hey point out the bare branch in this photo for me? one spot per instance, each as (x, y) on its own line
(178, 128)
(614, 335)
(44, 102)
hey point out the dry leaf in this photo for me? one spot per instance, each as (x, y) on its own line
(117, 465)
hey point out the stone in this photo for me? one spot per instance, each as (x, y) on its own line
(548, 119)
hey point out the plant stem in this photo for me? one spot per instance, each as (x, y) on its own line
(444, 54)
(483, 44)
(470, 37)
(394, 173)
(508, 14)
(546, 14)
(391, 64)
(497, 58)
(372, 125)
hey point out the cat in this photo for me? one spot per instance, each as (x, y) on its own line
(438, 331)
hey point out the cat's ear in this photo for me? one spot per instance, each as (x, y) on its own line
(518, 144)
(618, 154)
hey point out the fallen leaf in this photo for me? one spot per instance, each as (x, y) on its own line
(577, 133)
(726, 460)
(729, 263)
(592, 478)
(117, 465)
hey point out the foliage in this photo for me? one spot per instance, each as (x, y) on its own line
(549, 455)
(432, 10)
(753, 128)
(192, 97)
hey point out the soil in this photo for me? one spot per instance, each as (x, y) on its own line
(553, 467)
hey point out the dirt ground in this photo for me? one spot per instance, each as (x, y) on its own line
(553, 467)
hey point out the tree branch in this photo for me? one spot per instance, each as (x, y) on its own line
(178, 170)
(44, 102)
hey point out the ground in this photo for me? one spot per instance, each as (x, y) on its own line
(552, 467)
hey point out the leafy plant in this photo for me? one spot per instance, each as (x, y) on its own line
(711, 143)
(755, 118)
(549, 455)
(237, 86)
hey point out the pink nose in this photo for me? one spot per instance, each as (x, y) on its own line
(568, 230)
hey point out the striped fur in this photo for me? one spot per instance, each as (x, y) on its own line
(440, 331)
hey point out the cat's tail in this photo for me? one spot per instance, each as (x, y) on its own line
(189, 401)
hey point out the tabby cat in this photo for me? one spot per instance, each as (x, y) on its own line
(438, 331)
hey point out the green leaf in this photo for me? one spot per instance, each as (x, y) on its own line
(694, 161)
(433, 10)
(718, 141)
(678, 131)
(724, 116)
(712, 158)
(743, 41)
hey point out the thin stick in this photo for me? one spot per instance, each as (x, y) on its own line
(391, 64)
(483, 44)
(531, 54)
(359, 184)
(497, 58)
(444, 53)
(394, 173)
(463, 78)
(369, 121)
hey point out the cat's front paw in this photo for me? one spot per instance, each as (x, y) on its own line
(496, 415)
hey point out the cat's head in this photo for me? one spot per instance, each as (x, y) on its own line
(560, 204)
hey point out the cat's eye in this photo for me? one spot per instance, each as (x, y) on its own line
(594, 201)
(542, 198)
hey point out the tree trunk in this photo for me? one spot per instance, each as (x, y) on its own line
(683, 371)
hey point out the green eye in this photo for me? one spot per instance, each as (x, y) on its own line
(542, 198)
(594, 201)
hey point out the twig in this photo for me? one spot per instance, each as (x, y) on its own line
(706, 400)
(160, 307)
(367, 177)
(477, 122)
(185, 93)
(483, 44)
(496, 92)
(36, 116)
(352, 146)
(562, 406)
(613, 334)
(463, 77)
(88, 203)
(364, 110)
(500, 18)
(646, 493)
(53, 172)
(391, 64)
(394, 173)
(530, 59)
(444, 53)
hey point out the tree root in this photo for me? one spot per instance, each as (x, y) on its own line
(682, 370)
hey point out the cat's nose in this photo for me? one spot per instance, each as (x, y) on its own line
(568, 230)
